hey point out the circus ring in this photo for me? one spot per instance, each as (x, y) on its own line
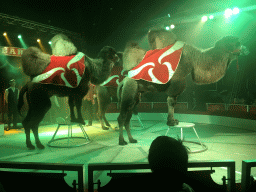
(227, 138)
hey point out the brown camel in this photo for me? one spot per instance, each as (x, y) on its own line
(206, 66)
(38, 95)
(108, 90)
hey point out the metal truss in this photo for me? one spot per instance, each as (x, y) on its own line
(12, 20)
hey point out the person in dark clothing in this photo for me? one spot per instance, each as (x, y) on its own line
(11, 99)
(168, 160)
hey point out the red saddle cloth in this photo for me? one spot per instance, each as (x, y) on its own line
(158, 65)
(117, 75)
(63, 70)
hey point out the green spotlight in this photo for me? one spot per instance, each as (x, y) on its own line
(50, 42)
(204, 19)
(228, 13)
(172, 26)
(19, 36)
(235, 11)
(211, 17)
(167, 28)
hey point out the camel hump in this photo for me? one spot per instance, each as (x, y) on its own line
(160, 38)
(34, 61)
(62, 46)
(133, 55)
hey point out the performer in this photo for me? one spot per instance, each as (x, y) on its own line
(11, 98)
(90, 102)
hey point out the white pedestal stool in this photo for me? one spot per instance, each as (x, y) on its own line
(183, 125)
(86, 137)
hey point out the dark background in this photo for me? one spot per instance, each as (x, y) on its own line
(94, 24)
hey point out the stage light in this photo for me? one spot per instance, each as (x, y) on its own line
(211, 17)
(172, 26)
(169, 15)
(235, 11)
(19, 36)
(228, 13)
(167, 28)
(204, 18)
(50, 42)
(38, 40)
(4, 34)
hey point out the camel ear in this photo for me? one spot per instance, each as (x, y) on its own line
(62, 46)
(34, 61)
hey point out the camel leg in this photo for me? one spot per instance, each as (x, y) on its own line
(26, 126)
(171, 102)
(104, 100)
(78, 103)
(127, 128)
(102, 116)
(38, 117)
(175, 89)
(128, 101)
(121, 119)
(71, 103)
(36, 113)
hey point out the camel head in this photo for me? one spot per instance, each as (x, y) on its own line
(210, 65)
(108, 53)
(101, 67)
(229, 44)
(62, 46)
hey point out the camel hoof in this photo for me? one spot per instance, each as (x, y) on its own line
(40, 146)
(122, 142)
(89, 123)
(31, 147)
(173, 122)
(133, 141)
(105, 128)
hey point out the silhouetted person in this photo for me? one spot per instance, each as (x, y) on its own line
(11, 98)
(168, 160)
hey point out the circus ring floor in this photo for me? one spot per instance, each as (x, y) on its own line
(226, 138)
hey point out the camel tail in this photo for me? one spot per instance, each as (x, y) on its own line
(119, 92)
(23, 90)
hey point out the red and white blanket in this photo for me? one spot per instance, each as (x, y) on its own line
(63, 70)
(159, 65)
(117, 75)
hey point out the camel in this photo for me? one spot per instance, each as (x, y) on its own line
(205, 66)
(38, 94)
(108, 90)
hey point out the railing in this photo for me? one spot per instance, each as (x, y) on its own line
(230, 107)
(133, 166)
(148, 106)
(184, 106)
(79, 168)
(246, 173)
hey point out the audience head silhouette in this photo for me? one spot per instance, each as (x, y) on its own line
(168, 160)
